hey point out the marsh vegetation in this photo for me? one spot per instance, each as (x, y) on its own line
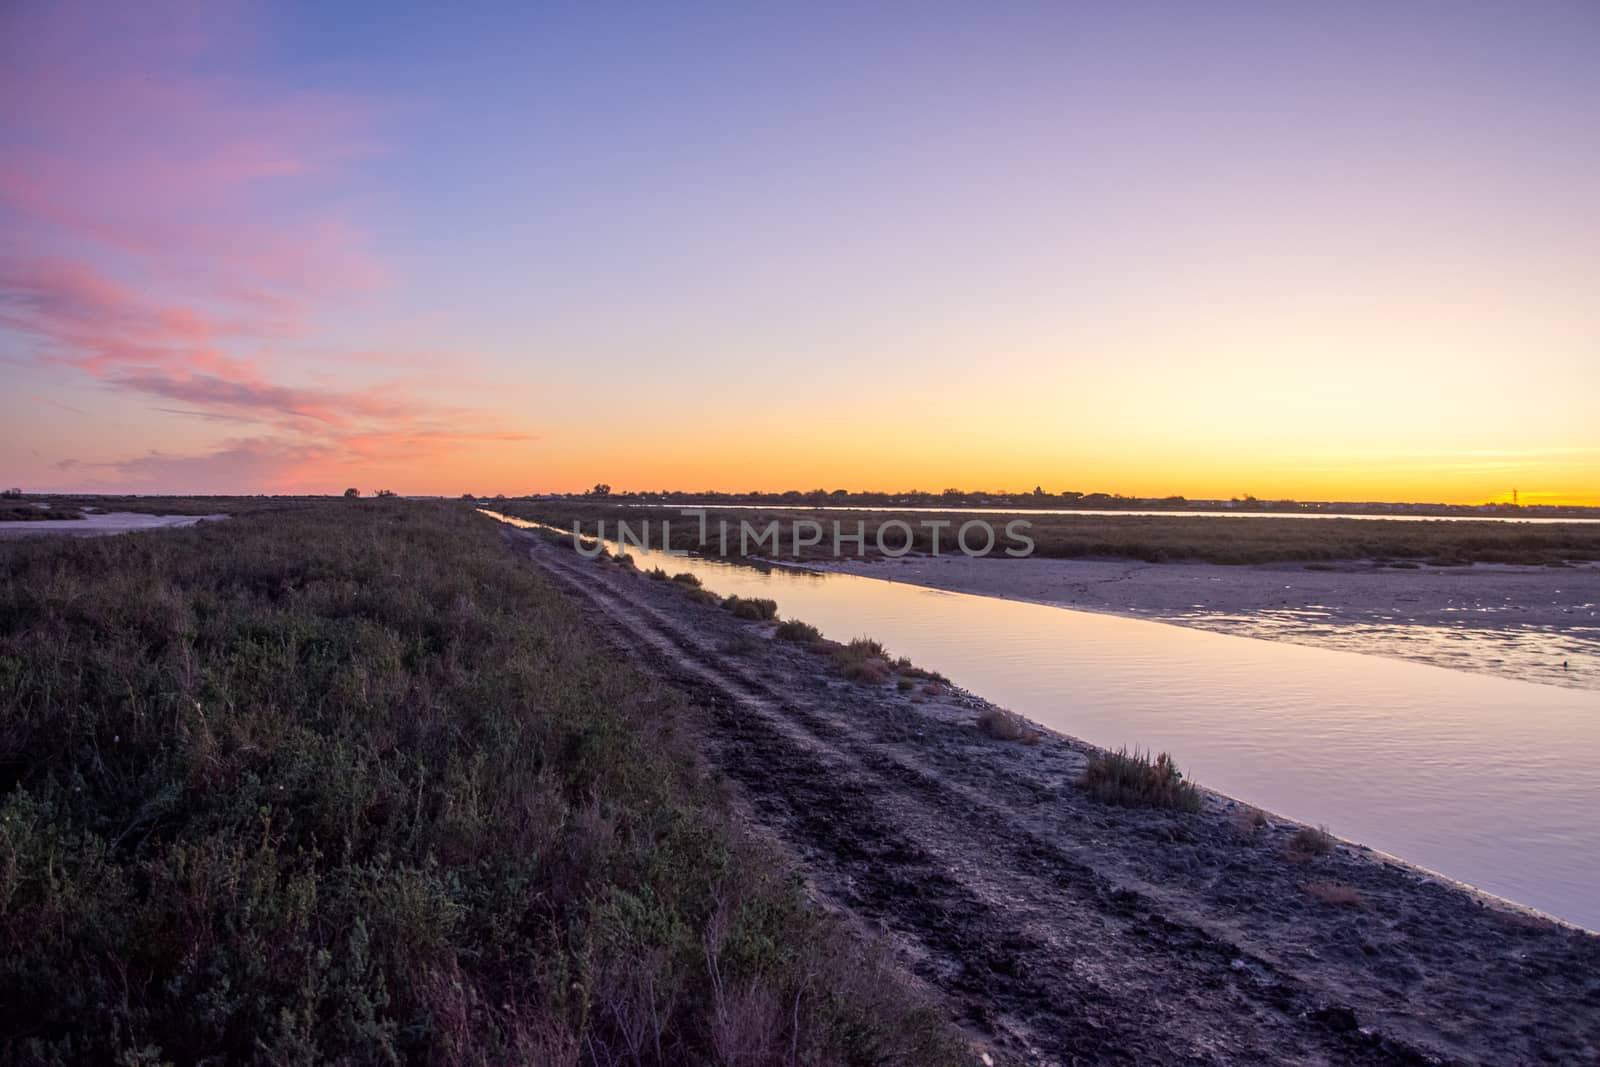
(346, 781)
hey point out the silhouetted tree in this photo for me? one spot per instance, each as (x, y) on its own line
(600, 489)
(351, 494)
(469, 496)
(384, 492)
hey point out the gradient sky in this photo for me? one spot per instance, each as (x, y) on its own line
(1345, 251)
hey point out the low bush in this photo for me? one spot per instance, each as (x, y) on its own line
(1133, 779)
(1310, 841)
(751, 608)
(801, 632)
(862, 661)
(1003, 725)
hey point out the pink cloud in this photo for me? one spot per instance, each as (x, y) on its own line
(173, 234)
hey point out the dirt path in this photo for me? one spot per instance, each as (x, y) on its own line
(1065, 931)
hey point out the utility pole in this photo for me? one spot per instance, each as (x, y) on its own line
(1514, 499)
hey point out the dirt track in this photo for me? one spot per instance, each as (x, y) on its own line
(1065, 931)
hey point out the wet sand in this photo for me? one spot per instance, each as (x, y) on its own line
(102, 524)
(1514, 621)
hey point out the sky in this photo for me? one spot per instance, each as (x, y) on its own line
(1344, 252)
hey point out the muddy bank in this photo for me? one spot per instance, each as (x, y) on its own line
(1515, 621)
(1063, 930)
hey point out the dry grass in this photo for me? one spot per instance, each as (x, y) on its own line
(862, 661)
(758, 609)
(1252, 819)
(1133, 779)
(1309, 842)
(799, 632)
(1003, 725)
(1337, 894)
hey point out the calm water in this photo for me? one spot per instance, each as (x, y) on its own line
(1488, 780)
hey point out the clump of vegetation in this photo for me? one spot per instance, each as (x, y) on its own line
(757, 608)
(1337, 894)
(862, 661)
(800, 632)
(1003, 725)
(685, 578)
(623, 559)
(1310, 841)
(1133, 779)
(1253, 818)
(31, 512)
(905, 684)
(656, 574)
(260, 801)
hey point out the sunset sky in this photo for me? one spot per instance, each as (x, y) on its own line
(1335, 251)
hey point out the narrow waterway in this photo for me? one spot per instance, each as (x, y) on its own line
(1487, 780)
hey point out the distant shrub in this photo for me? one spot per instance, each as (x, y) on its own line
(802, 632)
(656, 574)
(1003, 725)
(1133, 779)
(1309, 841)
(624, 560)
(751, 608)
(685, 578)
(863, 661)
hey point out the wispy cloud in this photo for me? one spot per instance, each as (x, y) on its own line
(167, 238)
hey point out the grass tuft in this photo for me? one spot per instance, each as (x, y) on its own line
(1310, 841)
(1003, 725)
(1133, 779)
(800, 632)
(756, 608)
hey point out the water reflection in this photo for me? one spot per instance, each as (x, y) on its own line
(1487, 780)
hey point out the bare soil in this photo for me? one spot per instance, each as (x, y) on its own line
(1061, 930)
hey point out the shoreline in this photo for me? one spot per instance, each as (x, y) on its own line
(1052, 920)
(1506, 620)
